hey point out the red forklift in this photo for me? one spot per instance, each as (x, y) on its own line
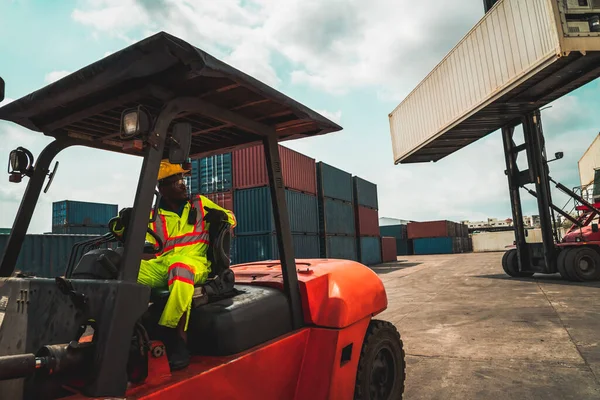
(282, 329)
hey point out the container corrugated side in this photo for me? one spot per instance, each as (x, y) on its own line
(223, 199)
(44, 255)
(397, 231)
(367, 221)
(430, 229)
(509, 43)
(215, 173)
(370, 250)
(589, 162)
(436, 245)
(336, 217)
(68, 212)
(339, 247)
(254, 215)
(79, 230)
(264, 247)
(388, 249)
(334, 183)
(365, 193)
(194, 178)
(404, 247)
(250, 169)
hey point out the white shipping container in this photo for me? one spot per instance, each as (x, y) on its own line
(589, 162)
(522, 55)
(499, 241)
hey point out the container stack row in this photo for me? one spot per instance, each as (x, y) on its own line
(404, 245)
(81, 218)
(439, 237)
(367, 221)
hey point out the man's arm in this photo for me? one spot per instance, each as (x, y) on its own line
(207, 203)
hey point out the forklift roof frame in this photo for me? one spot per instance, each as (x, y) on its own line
(175, 82)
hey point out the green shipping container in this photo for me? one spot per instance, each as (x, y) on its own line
(339, 247)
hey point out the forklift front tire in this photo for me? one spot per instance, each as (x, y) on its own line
(510, 264)
(583, 264)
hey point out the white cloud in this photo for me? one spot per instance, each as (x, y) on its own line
(335, 116)
(55, 76)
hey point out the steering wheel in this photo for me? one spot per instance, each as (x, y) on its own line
(148, 248)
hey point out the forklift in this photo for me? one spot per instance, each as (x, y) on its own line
(279, 329)
(576, 256)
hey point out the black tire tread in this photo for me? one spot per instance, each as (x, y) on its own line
(375, 327)
(511, 262)
(560, 264)
(570, 265)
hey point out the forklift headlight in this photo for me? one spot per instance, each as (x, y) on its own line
(134, 122)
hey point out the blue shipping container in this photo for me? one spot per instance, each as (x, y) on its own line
(254, 213)
(69, 212)
(370, 250)
(333, 182)
(437, 245)
(194, 181)
(336, 217)
(215, 174)
(365, 193)
(264, 247)
(44, 255)
(340, 247)
(79, 230)
(396, 231)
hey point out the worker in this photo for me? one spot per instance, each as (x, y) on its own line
(182, 224)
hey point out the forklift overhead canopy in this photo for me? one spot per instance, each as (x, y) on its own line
(88, 103)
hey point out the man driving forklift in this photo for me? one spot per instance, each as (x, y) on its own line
(182, 224)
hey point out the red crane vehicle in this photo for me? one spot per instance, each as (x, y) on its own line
(283, 329)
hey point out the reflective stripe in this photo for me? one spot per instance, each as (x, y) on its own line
(185, 240)
(197, 204)
(160, 227)
(180, 272)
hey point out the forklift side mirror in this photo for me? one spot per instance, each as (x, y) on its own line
(594, 228)
(20, 162)
(559, 155)
(180, 143)
(2, 87)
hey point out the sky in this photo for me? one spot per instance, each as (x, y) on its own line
(351, 60)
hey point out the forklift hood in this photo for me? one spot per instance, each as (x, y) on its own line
(88, 103)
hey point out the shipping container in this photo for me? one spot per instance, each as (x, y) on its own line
(44, 255)
(340, 247)
(79, 230)
(434, 245)
(68, 212)
(367, 221)
(5, 230)
(397, 231)
(213, 174)
(334, 183)
(250, 169)
(589, 163)
(223, 199)
(250, 248)
(430, 229)
(388, 249)
(370, 250)
(193, 179)
(336, 217)
(519, 57)
(254, 215)
(404, 247)
(365, 193)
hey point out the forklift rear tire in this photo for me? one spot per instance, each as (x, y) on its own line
(510, 264)
(561, 264)
(381, 367)
(583, 264)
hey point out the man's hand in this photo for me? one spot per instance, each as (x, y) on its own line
(212, 215)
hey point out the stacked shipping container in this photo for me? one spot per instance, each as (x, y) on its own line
(79, 217)
(367, 221)
(336, 213)
(439, 237)
(404, 245)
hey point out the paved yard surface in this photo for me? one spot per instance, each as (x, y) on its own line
(471, 332)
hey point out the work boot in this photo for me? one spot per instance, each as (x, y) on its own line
(177, 351)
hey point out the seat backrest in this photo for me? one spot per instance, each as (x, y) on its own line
(220, 248)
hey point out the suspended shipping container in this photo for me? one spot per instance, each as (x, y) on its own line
(370, 250)
(365, 193)
(336, 217)
(431, 229)
(333, 182)
(367, 221)
(254, 213)
(340, 247)
(68, 212)
(396, 231)
(213, 174)
(264, 247)
(522, 55)
(250, 170)
(388, 249)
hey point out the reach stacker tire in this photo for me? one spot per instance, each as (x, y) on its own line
(561, 264)
(582, 264)
(510, 264)
(381, 367)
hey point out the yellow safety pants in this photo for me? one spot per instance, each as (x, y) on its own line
(180, 273)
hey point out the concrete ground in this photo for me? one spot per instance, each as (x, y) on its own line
(471, 332)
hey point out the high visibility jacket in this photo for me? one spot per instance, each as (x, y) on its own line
(179, 236)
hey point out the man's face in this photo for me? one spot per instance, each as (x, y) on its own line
(173, 188)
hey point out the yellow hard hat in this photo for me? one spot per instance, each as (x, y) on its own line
(167, 169)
